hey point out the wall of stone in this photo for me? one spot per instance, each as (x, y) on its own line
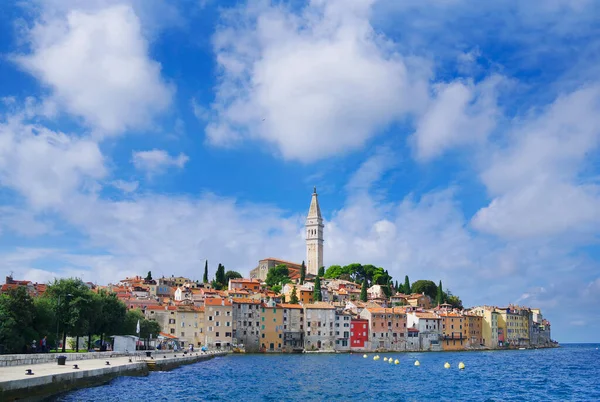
(38, 358)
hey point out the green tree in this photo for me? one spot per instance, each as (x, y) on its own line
(149, 276)
(44, 323)
(317, 290)
(302, 273)
(333, 272)
(406, 289)
(278, 275)
(112, 313)
(439, 298)
(454, 301)
(72, 299)
(232, 275)
(425, 286)
(363, 291)
(321, 272)
(276, 289)
(220, 276)
(205, 278)
(396, 288)
(17, 315)
(294, 296)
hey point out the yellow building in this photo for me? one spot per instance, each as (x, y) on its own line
(490, 325)
(272, 327)
(190, 325)
(218, 322)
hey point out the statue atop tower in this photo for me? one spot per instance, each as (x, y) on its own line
(314, 236)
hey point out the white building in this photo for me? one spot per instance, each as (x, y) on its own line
(320, 331)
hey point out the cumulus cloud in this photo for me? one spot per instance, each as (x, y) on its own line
(97, 66)
(460, 113)
(45, 166)
(157, 160)
(538, 181)
(311, 85)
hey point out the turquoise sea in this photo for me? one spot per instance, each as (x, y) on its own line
(568, 373)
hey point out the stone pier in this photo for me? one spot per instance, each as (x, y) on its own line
(50, 379)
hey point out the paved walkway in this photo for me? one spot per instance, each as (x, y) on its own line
(12, 373)
(18, 372)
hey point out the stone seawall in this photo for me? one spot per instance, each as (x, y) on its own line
(51, 379)
(39, 358)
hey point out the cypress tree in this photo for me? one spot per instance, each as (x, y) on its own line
(294, 296)
(321, 272)
(363, 291)
(396, 288)
(220, 275)
(205, 278)
(439, 299)
(302, 273)
(406, 285)
(317, 290)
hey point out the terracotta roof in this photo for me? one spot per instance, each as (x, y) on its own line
(319, 305)
(167, 335)
(217, 302)
(243, 280)
(427, 315)
(280, 260)
(289, 305)
(239, 300)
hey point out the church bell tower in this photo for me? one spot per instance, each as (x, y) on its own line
(314, 236)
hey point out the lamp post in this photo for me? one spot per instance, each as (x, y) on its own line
(68, 297)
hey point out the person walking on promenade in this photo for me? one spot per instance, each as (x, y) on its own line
(44, 343)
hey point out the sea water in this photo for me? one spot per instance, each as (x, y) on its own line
(568, 373)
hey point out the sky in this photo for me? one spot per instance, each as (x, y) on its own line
(452, 140)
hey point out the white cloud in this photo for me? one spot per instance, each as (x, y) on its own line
(97, 66)
(126, 186)
(460, 113)
(312, 85)
(372, 170)
(47, 167)
(538, 182)
(157, 160)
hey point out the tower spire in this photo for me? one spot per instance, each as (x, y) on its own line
(314, 212)
(314, 236)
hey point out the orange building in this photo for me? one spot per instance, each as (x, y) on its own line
(454, 331)
(271, 328)
(474, 325)
(244, 284)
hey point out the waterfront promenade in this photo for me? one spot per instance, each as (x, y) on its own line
(50, 378)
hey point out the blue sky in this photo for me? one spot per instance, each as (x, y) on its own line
(450, 140)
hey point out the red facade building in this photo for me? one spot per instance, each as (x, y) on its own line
(359, 333)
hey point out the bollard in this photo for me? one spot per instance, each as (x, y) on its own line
(28, 372)
(75, 367)
(108, 363)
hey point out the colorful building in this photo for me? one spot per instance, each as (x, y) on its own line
(491, 332)
(271, 328)
(454, 331)
(320, 321)
(218, 323)
(359, 333)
